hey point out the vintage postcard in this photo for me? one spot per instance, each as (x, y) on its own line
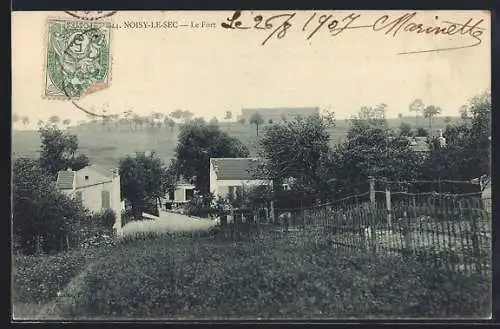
(251, 165)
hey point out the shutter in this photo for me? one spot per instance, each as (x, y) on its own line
(105, 200)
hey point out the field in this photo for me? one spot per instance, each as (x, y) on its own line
(105, 145)
(183, 277)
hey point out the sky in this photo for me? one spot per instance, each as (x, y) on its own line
(212, 70)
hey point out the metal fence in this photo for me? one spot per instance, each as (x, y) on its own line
(452, 231)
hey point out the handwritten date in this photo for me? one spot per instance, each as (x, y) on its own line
(279, 25)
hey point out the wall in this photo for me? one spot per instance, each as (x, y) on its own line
(222, 188)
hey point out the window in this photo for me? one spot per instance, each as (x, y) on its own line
(189, 194)
(239, 190)
(171, 195)
(231, 191)
(105, 200)
(86, 177)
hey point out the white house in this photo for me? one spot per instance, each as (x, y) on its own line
(97, 189)
(227, 175)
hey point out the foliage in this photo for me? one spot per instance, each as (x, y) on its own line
(228, 115)
(59, 151)
(242, 121)
(201, 205)
(211, 280)
(405, 130)
(43, 218)
(197, 143)
(213, 121)
(422, 132)
(417, 106)
(297, 149)
(371, 149)
(182, 115)
(430, 112)
(257, 120)
(143, 180)
(467, 153)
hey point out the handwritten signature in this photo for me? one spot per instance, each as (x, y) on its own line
(280, 24)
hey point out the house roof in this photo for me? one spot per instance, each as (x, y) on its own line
(234, 168)
(65, 180)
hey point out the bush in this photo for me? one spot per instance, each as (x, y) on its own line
(105, 218)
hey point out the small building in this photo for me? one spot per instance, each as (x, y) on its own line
(180, 195)
(228, 175)
(95, 187)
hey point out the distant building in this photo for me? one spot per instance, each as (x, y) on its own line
(278, 113)
(180, 195)
(94, 187)
(228, 175)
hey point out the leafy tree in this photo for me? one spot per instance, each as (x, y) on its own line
(137, 120)
(25, 120)
(405, 130)
(467, 152)
(157, 119)
(182, 115)
(430, 112)
(143, 181)
(229, 115)
(257, 120)
(43, 218)
(400, 116)
(54, 120)
(297, 149)
(464, 112)
(242, 121)
(170, 123)
(417, 106)
(59, 151)
(197, 143)
(15, 117)
(213, 121)
(447, 119)
(66, 122)
(270, 121)
(422, 132)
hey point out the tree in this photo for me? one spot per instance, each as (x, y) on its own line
(66, 122)
(40, 123)
(15, 118)
(43, 218)
(417, 106)
(422, 132)
(400, 116)
(197, 143)
(257, 120)
(54, 120)
(213, 121)
(143, 181)
(137, 120)
(58, 151)
(405, 130)
(242, 121)
(430, 112)
(156, 119)
(170, 123)
(467, 152)
(297, 149)
(270, 121)
(464, 112)
(229, 115)
(447, 119)
(25, 120)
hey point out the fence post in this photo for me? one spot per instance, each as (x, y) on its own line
(371, 179)
(389, 207)
(272, 211)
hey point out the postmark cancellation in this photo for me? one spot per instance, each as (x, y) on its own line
(78, 58)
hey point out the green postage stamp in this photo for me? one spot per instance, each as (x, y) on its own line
(77, 58)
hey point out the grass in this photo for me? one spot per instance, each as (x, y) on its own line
(37, 279)
(183, 277)
(105, 146)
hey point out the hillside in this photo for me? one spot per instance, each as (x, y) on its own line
(105, 145)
